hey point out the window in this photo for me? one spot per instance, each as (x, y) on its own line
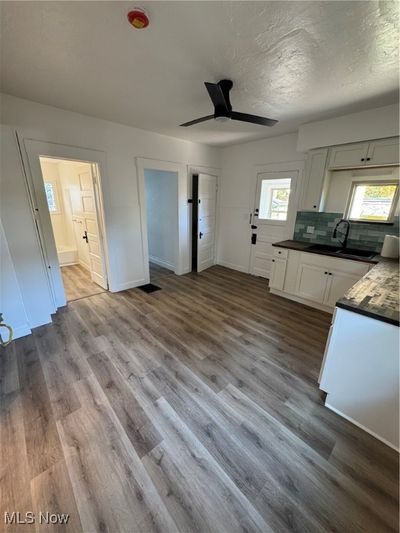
(52, 197)
(372, 201)
(274, 199)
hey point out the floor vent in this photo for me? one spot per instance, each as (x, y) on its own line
(149, 287)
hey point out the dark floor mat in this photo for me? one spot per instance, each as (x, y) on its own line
(149, 287)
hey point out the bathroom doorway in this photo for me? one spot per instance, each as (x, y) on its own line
(70, 193)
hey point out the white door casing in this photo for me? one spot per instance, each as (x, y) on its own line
(34, 181)
(267, 230)
(206, 224)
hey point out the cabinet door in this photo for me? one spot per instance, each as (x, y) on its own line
(337, 285)
(278, 271)
(383, 152)
(311, 282)
(348, 155)
(314, 179)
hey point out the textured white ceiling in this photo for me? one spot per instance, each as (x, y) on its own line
(293, 61)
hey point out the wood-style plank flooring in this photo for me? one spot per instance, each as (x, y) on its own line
(191, 409)
(78, 283)
(157, 271)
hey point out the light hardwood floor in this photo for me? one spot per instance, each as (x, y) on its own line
(78, 283)
(194, 408)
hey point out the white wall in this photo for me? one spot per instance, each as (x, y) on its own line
(11, 304)
(120, 144)
(238, 189)
(161, 189)
(377, 123)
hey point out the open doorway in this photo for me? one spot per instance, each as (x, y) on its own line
(161, 192)
(71, 200)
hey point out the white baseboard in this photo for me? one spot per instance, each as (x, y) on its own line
(362, 427)
(129, 285)
(233, 266)
(84, 265)
(68, 264)
(161, 262)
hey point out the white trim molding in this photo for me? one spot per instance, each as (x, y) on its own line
(182, 250)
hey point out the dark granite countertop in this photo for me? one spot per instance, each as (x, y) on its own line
(306, 247)
(375, 295)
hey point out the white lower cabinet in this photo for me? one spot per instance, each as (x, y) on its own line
(337, 285)
(360, 374)
(311, 282)
(278, 271)
(316, 280)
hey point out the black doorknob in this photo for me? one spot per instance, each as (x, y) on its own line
(200, 235)
(85, 237)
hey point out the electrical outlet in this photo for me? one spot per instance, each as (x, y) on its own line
(310, 229)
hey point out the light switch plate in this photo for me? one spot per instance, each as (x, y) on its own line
(310, 229)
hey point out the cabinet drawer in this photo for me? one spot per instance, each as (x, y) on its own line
(280, 253)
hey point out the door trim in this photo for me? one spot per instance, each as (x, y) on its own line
(32, 150)
(182, 249)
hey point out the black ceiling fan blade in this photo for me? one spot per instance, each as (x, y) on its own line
(217, 96)
(197, 121)
(253, 119)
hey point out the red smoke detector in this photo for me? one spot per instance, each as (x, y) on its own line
(138, 18)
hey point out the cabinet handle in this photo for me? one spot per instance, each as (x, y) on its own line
(273, 260)
(326, 273)
(363, 159)
(368, 159)
(330, 274)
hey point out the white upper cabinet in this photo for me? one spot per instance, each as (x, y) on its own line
(348, 155)
(383, 152)
(355, 155)
(314, 179)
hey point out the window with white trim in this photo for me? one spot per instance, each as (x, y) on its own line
(372, 201)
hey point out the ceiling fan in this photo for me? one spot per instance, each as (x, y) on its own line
(219, 94)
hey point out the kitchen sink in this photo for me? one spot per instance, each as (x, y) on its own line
(357, 253)
(337, 250)
(324, 248)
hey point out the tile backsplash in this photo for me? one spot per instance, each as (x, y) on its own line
(362, 236)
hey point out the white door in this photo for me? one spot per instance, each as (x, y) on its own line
(273, 218)
(206, 224)
(91, 233)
